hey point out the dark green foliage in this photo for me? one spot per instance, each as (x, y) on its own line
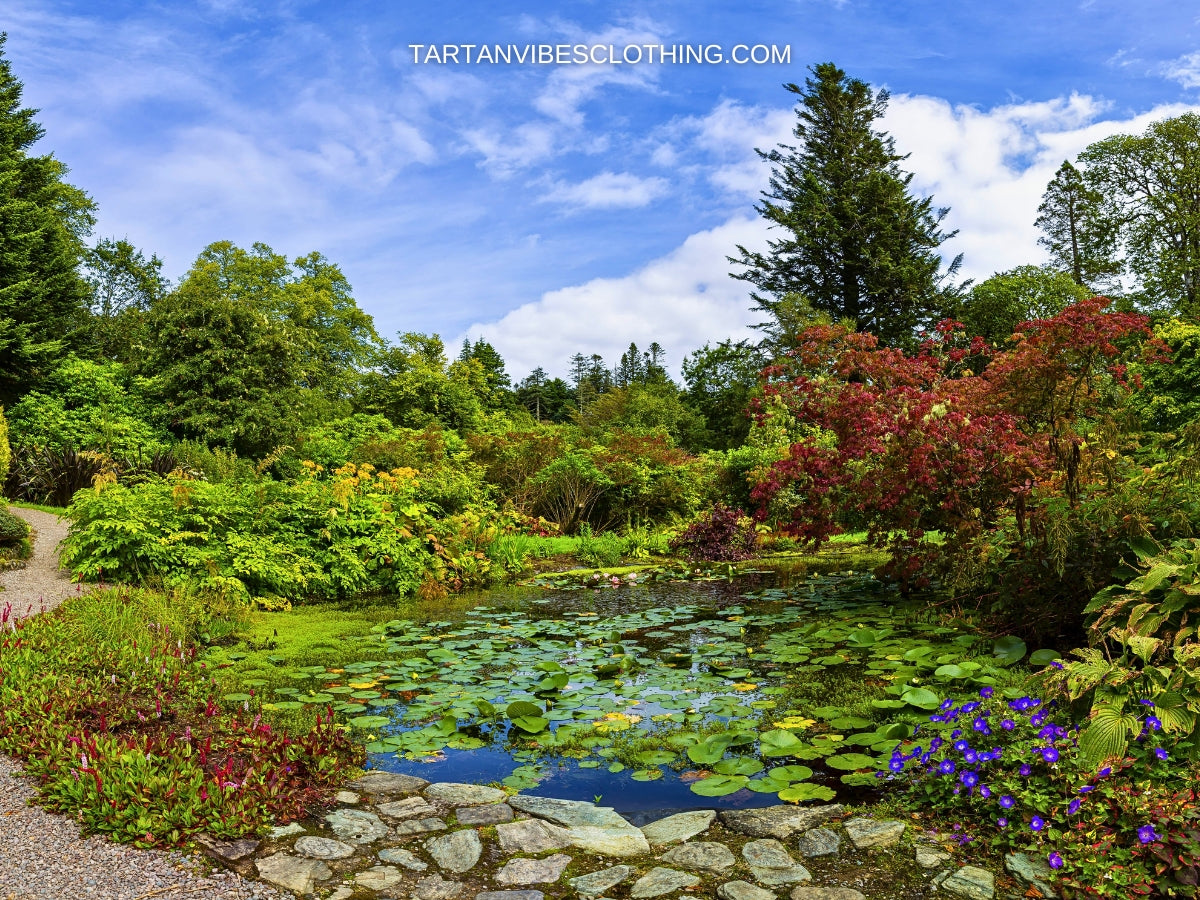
(546, 399)
(414, 386)
(856, 245)
(124, 285)
(249, 349)
(42, 224)
(53, 476)
(996, 307)
(13, 529)
(721, 380)
(1151, 189)
(1079, 237)
(646, 408)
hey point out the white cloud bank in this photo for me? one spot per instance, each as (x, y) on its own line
(680, 300)
(609, 190)
(990, 167)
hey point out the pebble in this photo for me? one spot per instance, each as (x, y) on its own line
(401, 857)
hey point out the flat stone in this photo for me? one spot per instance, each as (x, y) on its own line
(710, 856)
(401, 857)
(464, 794)
(531, 836)
(661, 881)
(931, 857)
(743, 890)
(420, 826)
(819, 842)
(569, 812)
(346, 798)
(356, 825)
(679, 828)
(596, 883)
(778, 821)
(342, 893)
(867, 833)
(774, 876)
(408, 808)
(282, 831)
(230, 851)
(511, 895)
(434, 887)
(620, 842)
(971, 882)
(1033, 871)
(491, 814)
(379, 878)
(291, 872)
(819, 892)
(533, 871)
(388, 783)
(767, 854)
(323, 848)
(457, 851)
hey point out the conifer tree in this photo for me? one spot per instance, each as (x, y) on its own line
(856, 244)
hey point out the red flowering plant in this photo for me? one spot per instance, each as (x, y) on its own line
(956, 438)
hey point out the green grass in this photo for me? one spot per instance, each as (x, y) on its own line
(53, 510)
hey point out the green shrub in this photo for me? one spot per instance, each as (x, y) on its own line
(5, 449)
(355, 532)
(13, 530)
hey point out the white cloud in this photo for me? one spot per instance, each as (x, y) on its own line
(609, 190)
(681, 300)
(1185, 70)
(992, 167)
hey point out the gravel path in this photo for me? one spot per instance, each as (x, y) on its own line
(43, 856)
(41, 585)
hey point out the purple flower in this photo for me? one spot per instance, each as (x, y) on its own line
(1049, 754)
(935, 718)
(1153, 723)
(960, 746)
(1055, 860)
(1037, 823)
(1105, 772)
(969, 779)
(1073, 806)
(1024, 771)
(981, 726)
(1087, 789)
(1008, 724)
(986, 692)
(1056, 664)
(1007, 802)
(947, 767)
(985, 791)
(896, 765)
(968, 708)
(1146, 702)
(1002, 822)
(1146, 834)
(956, 733)
(946, 704)
(1161, 753)
(935, 743)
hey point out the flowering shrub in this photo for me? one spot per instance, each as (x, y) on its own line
(1010, 769)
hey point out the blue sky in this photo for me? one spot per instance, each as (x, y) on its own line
(562, 208)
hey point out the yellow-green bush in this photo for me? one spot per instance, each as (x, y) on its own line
(5, 451)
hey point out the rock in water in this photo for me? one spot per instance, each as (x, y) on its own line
(456, 794)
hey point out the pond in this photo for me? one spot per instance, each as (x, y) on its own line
(670, 695)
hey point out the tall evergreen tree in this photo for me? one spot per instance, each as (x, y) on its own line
(43, 221)
(1081, 240)
(857, 245)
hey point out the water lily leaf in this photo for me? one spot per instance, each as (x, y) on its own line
(801, 793)
(739, 765)
(655, 757)
(531, 724)
(790, 773)
(706, 753)
(921, 698)
(719, 785)
(369, 722)
(950, 671)
(847, 761)
(1009, 649)
(237, 698)
(1043, 657)
(519, 708)
(849, 722)
(647, 775)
